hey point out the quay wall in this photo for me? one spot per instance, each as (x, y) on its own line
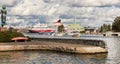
(51, 46)
(99, 43)
(58, 44)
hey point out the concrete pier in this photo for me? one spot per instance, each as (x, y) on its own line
(98, 43)
(111, 34)
(42, 45)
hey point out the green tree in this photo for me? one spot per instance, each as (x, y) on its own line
(6, 36)
(60, 28)
(116, 24)
(105, 28)
(109, 28)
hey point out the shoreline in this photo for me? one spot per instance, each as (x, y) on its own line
(52, 46)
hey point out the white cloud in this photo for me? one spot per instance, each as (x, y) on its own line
(96, 12)
(93, 2)
(7, 2)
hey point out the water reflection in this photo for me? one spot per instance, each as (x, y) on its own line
(113, 44)
(47, 57)
(114, 50)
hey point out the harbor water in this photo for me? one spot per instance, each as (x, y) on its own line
(50, 57)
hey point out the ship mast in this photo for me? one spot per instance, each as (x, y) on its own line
(74, 20)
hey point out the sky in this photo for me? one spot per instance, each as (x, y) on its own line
(92, 13)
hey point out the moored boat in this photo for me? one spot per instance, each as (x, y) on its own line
(41, 28)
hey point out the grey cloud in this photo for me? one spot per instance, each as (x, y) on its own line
(7, 2)
(96, 12)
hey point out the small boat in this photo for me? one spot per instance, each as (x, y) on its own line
(59, 34)
(74, 34)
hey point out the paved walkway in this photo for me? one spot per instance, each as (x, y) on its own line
(46, 43)
(66, 47)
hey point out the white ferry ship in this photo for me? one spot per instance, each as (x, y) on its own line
(41, 28)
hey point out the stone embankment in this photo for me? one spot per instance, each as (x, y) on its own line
(98, 43)
(42, 45)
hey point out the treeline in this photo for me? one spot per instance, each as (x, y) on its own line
(115, 27)
(105, 28)
(6, 36)
(116, 24)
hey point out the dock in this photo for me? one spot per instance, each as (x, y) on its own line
(52, 46)
(111, 34)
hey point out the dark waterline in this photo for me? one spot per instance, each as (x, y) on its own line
(48, 57)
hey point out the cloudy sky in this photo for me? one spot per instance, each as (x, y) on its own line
(87, 12)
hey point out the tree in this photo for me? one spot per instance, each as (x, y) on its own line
(109, 27)
(6, 36)
(116, 24)
(105, 28)
(60, 28)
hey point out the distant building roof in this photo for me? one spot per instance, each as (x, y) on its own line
(77, 27)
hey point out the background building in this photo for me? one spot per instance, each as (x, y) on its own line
(75, 27)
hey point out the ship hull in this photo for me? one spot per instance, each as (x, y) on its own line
(40, 31)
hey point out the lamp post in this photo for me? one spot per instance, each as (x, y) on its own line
(3, 16)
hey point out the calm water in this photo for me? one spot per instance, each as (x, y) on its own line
(48, 57)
